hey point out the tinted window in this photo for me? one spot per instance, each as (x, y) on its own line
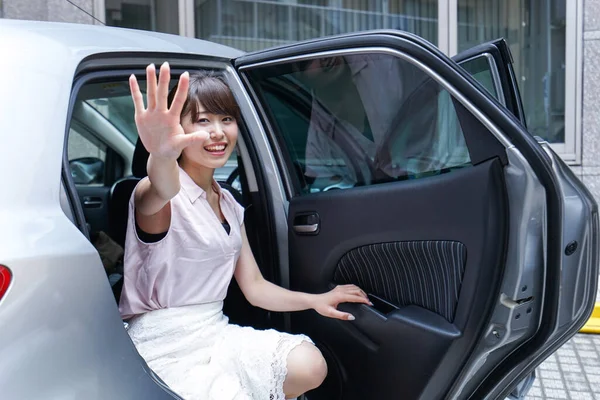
(112, 102)
(87, 158)
(361, 119)
(480, 68)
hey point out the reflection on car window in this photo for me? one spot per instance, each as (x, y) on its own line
(361, 119)
(113, 101)
(119, 112)
(86, 157)
(479, 67)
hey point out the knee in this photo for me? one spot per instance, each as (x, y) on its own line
(306, 370)
(316, 369)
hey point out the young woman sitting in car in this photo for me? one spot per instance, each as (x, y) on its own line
(186, 240)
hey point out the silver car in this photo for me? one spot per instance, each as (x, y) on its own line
(476, 244)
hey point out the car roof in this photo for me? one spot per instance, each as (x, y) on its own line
(38, 68)
(82, 40)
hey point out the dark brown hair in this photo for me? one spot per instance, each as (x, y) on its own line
(209, 89)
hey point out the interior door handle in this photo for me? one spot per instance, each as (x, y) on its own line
(92, 202)
(306, 228)
(307, 224)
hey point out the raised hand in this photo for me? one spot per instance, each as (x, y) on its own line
(159, 126)
(326, 303)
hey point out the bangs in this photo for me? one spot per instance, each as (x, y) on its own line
(214, 95)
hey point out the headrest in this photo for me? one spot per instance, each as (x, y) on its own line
(140, 160)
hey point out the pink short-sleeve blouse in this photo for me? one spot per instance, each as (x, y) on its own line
(192, 264)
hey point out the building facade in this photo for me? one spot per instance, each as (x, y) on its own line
(555, 43)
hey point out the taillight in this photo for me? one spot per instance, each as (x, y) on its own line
(4, 279)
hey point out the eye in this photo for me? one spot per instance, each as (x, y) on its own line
(203, 120)
(228, 119)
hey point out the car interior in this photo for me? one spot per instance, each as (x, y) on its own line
(107, 160)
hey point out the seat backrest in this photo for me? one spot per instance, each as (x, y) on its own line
(120, 193)
(118, 208)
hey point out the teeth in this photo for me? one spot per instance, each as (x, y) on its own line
(215, 148)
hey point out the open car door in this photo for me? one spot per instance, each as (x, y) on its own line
(407, 177)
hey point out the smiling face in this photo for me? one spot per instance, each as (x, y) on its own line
(215, 151)
(210, 107)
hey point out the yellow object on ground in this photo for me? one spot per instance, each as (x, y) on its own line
(593, 324)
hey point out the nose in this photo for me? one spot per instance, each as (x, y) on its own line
(217, 132)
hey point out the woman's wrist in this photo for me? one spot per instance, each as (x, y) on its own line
(162, 160)
(164, 176)
(311, 300)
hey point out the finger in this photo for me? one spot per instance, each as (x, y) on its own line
(163, 86)
(359, 292)
(354, 289)
(181, 93)
(151, 86)
(136, 95)
(183, 141)
(354, 298)
(333, 313)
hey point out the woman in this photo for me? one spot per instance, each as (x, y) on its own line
(186, 240)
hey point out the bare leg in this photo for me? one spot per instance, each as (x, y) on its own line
(306, 370)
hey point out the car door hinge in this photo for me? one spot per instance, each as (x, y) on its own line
(514, 323)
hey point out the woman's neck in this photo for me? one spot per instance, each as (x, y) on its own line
(201, 175)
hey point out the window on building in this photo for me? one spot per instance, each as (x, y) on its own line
(535, 32)
(542, 35)
(150, 15)
(257, 24)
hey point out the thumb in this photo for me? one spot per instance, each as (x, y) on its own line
(334, 313)
(184, 140)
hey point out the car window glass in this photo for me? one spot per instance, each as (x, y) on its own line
(480, 69)
(229, 173)
(119, 112)
(363, 119)
(112, 101)
(87, 158)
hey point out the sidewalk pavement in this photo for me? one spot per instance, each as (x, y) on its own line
(572, 373)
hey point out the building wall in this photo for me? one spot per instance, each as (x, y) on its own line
(590, 166)
(48, 10)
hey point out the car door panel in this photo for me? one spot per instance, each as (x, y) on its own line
(94, 200)
(401, 266)
(427, 335)
(402, 244)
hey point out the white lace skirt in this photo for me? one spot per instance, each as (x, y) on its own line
(201, 356)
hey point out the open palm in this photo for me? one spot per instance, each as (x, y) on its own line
(159, 126)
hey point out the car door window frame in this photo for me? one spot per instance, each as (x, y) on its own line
(499, 95)
(292, 182)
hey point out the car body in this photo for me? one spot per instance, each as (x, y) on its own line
(478, 269)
